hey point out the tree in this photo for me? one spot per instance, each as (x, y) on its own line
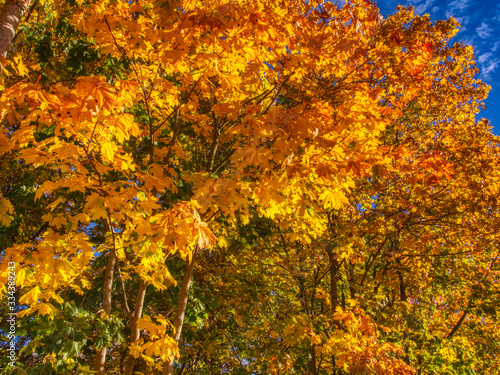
(10, 16)
(274, 149)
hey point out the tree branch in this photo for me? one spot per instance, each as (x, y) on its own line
(215, 144)
(228, 156)
(457, 326)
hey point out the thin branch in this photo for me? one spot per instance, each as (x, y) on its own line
(218, 166)
(368, 265)
(28, 16)
(457, 326)
(154, 79)
(178, 106)
(215, 143)
(174, 138)
(211, 217)
(143, 88)
(39, 232)
(91, 136)
(234, 350)
(277, 92)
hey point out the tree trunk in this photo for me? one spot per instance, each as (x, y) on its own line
(135, 334)
(334, 268)
(10, 16)
(181, 309)
(313, 360)
(402, 289)
(333, 279)
(100, 358)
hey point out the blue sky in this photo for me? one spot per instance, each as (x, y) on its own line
(480, 28)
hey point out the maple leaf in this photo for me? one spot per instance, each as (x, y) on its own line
(333, 199)
(108, 150)
(206, 239)
(31, 298)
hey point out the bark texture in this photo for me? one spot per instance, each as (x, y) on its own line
(10, 16)
(135, 334)
(100, 358)
(181, 308)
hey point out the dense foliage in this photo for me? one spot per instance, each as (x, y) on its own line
(246, 187)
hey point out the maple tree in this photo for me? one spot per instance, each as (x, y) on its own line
(281, 187)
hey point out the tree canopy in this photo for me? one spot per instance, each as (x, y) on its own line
(245, 187)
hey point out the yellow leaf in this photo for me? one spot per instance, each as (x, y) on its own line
(46, 187)
(108, 150)
(46, 309)
(316, 339)
(5, 219)
(30, 298)
(20, 67)
(6, 206)
(206, 239)
(333, 199)
(20, 277)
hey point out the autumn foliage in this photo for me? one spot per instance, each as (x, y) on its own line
(271, 187)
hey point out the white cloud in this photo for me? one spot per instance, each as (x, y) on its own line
(495, 46)
(422, 8)
(484, 31)
(484, 57)
(489, 67)
(464, 21)
(459, 5)
(468, 40)
(496, 17)
(488, 64)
